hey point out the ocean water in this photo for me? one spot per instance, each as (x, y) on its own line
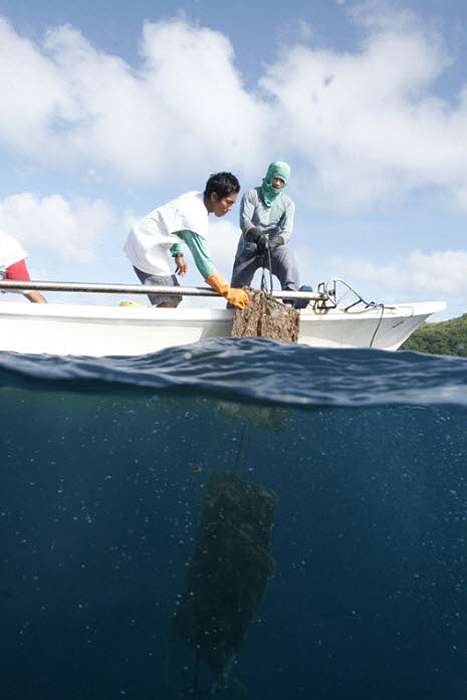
(106, 466)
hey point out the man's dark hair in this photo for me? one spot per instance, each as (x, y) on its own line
(222, 184)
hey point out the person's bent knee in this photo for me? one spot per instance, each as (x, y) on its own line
(172, 304)
(36, 298)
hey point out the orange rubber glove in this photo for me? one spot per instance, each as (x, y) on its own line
(236, 297)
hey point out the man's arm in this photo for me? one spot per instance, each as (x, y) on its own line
(287, 220)
(198, 249)
(206, 267)
(35, 297)
(275, 234)
(176, 251)
(247, 208)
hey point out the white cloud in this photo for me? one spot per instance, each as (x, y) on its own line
(185, 106)
(438, 274)
(362, 127)
(68, 228)
(381, 15)
(367, 120)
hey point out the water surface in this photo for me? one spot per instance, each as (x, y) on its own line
(105, 467)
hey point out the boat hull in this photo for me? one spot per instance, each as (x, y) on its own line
(71, 329)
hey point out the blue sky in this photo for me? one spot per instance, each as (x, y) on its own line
(111, 108)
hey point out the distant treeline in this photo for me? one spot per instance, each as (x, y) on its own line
(443, 338)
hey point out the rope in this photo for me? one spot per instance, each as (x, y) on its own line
(196, 675)
(240, 447)
(196, 692)
(263, 273)
(334, 301)
(378, 325)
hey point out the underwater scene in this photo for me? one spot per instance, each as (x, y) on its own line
(237, 519)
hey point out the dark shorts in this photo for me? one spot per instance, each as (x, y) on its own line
(159, 281)
(283, 266)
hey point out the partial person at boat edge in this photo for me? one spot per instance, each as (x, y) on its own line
(266, 222)
(13, 265)
(160, 233)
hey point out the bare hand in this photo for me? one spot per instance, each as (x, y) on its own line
(181, 265)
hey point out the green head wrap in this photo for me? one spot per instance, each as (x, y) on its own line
(277, 169)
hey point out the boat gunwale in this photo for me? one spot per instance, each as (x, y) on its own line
(131, 314)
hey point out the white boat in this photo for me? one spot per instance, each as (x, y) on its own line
(98, 330)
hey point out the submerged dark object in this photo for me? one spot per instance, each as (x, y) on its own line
(266, 317)
(229, 570)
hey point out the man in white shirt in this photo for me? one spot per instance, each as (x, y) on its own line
(13, 265)
(184, 219)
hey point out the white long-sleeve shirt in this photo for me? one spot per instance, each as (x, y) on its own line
(149, 241)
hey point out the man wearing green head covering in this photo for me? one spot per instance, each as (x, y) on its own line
(266, 221)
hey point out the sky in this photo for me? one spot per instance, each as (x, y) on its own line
(110, 109)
